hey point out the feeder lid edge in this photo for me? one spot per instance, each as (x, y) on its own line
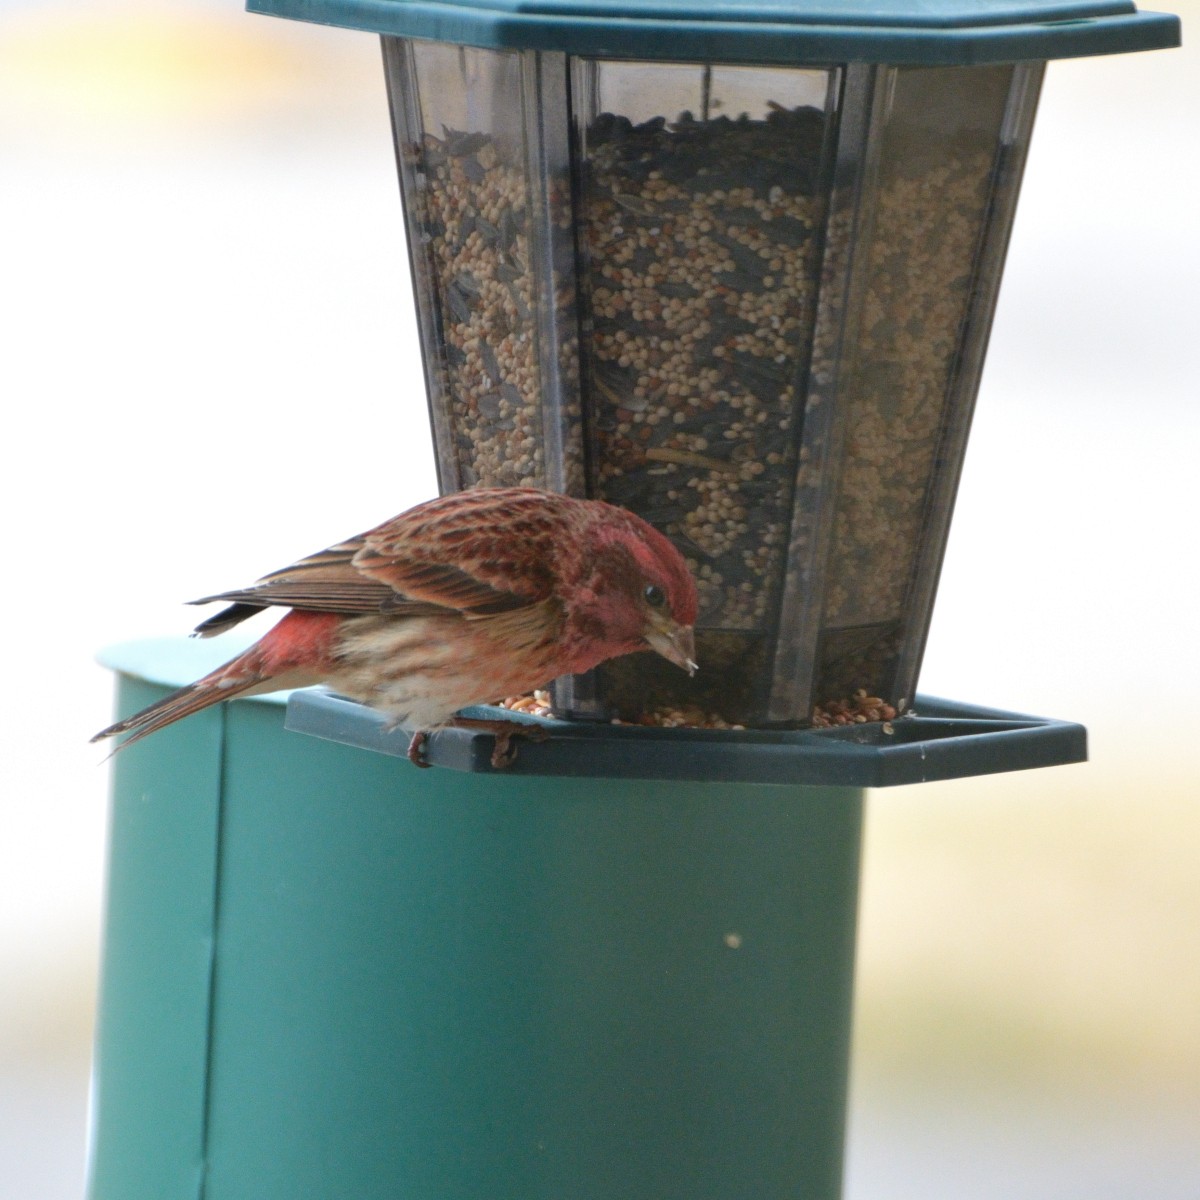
(899, 32)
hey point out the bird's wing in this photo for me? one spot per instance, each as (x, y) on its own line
(443, 555)
(481, 552)
(326, 581)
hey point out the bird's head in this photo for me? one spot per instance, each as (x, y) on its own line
(634, 592)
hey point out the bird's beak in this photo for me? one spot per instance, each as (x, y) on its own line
(675, 642)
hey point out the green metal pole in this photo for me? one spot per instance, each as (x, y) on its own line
(329, 974)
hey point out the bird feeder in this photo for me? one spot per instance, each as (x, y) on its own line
(733, 267)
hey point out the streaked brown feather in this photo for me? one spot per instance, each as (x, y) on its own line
(226, 619)
(447, 552)
(182, 703)
(442, 555)
(317, 595)
(334, 562)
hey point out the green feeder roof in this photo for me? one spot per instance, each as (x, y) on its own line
(919, 32)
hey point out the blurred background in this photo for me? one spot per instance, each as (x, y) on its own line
(209, 368)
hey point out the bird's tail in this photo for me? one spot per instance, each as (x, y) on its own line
(292, 654)
(224, 683)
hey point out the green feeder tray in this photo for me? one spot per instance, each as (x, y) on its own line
(936, 739)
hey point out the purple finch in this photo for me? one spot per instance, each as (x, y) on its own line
(459, 601)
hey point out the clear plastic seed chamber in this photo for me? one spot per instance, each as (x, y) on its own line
(732, 266)
(749, 303)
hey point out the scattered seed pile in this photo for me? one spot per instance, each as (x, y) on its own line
(535, 704)
(538, 704)
(857, 710)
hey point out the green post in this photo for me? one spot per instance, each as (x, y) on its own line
(329, 974)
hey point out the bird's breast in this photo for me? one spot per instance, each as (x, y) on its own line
(421, 670)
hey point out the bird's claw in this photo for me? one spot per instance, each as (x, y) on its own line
(504, 752)
(416, 750)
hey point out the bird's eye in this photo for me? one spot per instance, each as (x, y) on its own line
(654, 596)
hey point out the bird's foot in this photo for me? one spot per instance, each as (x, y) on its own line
(416, 749)
(504, 753)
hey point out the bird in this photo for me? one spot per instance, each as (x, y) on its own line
(461, 600)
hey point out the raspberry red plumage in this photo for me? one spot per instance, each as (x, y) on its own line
(458, 601)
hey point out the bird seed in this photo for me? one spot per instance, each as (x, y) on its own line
(682, 298)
